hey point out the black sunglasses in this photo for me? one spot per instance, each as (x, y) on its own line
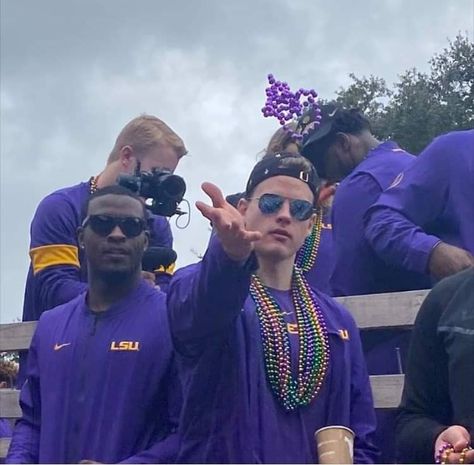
(300, 210)
(103, 225)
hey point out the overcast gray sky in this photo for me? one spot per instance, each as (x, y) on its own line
(74, 72)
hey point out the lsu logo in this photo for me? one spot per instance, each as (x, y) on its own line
(344, 334)
(292, 328)
(125, 345)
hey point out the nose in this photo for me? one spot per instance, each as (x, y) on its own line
(116, 234)
(284, 215)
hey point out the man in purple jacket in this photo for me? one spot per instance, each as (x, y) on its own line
(342, 148)
(57, 272)
(265, 359)
(425, 221)
(99, 385)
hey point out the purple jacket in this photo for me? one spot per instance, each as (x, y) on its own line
(358, 270)
(230, 414)
(57, 271)
(99, 386)
(431, 200)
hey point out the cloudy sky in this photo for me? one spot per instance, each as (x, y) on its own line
(74, 72)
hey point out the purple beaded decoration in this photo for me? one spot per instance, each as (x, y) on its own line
(286, 106)
(313, 356)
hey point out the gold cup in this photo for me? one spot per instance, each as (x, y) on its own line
(335, 444)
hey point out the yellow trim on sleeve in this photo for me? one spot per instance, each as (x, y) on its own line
(56, 254)
(168, 270)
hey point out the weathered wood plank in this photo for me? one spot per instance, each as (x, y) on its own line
(370, 311)
(16, 336)
(387, 390)
(397, 309)
(4, 445)
(9, 403)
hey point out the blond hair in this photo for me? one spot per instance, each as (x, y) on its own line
(144, 133)
(281, 141)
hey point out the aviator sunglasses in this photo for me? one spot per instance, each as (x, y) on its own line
(103, 225)
(300, 210)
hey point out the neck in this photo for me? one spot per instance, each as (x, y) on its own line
(105, 291)
(276, 274)
(368, 142)
(108, 177)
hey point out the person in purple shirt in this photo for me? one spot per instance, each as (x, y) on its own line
(100, 383)
(264, 358)
(425, 221)
(57, 272)
(342, 148)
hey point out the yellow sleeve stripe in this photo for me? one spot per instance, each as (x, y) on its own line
(56, 254)
(168, 270)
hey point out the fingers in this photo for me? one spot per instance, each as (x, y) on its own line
(206, 210)
(455, 457)
(214, 193)
(469, 458)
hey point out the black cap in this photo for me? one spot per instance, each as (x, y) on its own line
(233, 199)
(280, 165)
(326, 124)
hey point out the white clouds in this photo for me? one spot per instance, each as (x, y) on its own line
(73, 73)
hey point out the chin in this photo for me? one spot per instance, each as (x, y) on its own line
(116, 274)
(274, 252)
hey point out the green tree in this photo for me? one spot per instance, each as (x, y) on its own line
(422, 105)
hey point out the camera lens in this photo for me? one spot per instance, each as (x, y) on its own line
(174, 186)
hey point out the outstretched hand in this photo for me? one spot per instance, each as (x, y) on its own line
(228, 223)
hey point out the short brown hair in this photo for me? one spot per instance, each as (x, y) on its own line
(146, 132)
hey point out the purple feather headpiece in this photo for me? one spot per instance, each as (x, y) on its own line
(287, 106)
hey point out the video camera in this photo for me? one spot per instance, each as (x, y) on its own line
(161, 189)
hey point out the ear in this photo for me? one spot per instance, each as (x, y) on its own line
(242, 206)
(325, 193)
(311, 223)
(126, 157)
(344, 141)
(80, 237)
(146, 240)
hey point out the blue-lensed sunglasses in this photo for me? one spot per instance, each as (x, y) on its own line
(300, 210)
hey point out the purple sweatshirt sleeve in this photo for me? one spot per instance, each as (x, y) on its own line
(204, 299)
(24, 447)
(395, 223)
(54, 252)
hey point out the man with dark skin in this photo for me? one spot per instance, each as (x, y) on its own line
(343, 149)
(99, 384)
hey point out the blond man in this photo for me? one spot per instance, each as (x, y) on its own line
(56, 273)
